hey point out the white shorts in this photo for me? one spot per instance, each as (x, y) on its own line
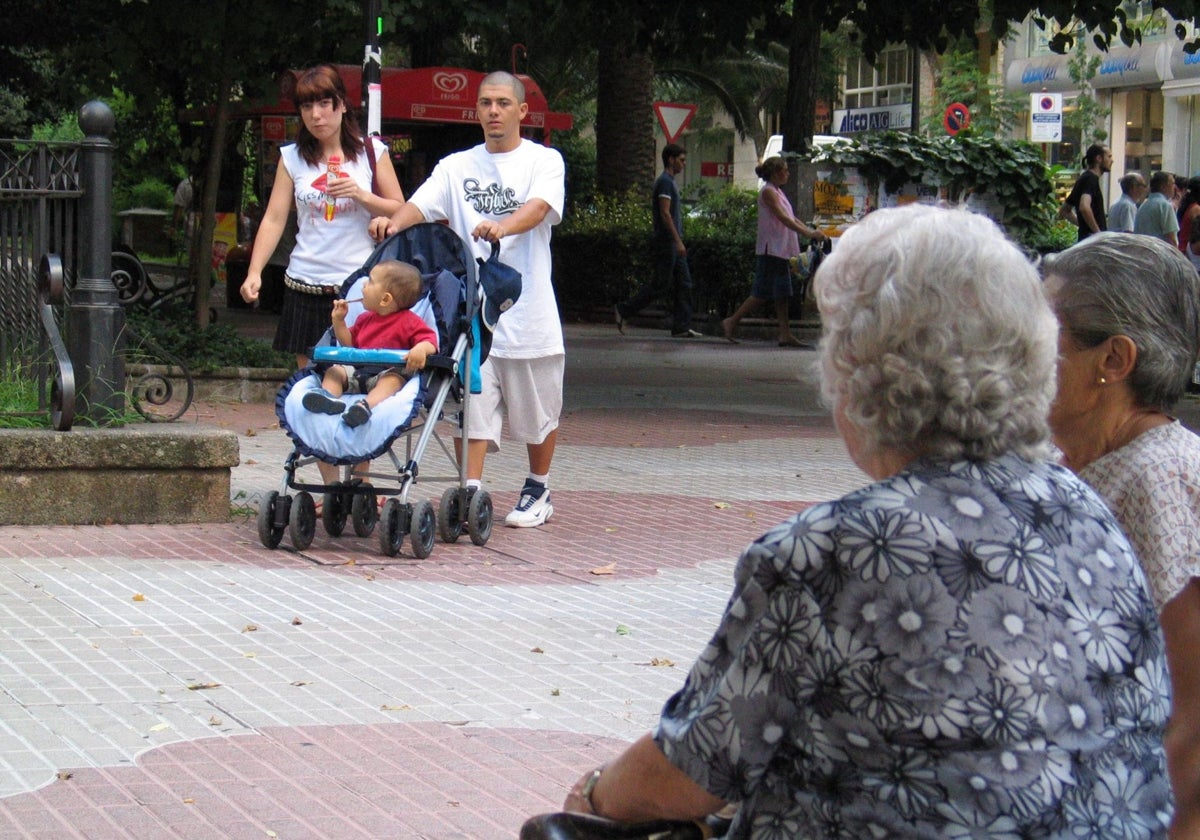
(528, 391)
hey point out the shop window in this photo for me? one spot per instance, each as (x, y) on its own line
(1143, 130)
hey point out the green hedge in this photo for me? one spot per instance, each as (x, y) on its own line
(603, 254)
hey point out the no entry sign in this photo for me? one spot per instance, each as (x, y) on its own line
(957, 117)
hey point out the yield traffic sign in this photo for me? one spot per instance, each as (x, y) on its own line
(674, 118)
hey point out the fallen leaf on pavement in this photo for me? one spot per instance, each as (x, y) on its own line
(403, 707)
(215, 721)
(249, 628)
(721, 505)
(554, 692)
(251, 433)
(610, 569)
(138, 596)
(536, 650)
(159, 727)
(202, 686)
(64, 774)
(296, 621)
(187, 800)
(301, 682)
(622, 630)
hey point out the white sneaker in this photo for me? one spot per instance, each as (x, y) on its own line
(533, 508)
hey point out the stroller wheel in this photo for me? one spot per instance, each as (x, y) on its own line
(479, 517)
(364, 513)
(302, 521)
(450, 517)
(334, 510)
(423, 529)
(391, 531)
(270, 526)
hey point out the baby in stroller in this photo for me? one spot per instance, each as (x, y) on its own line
(452, 302)
(388, 322)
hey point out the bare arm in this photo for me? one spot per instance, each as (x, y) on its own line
(775, 205)
(1068, 212)
(1085, 213)
(269, 232)
(640, 785)
(528, 216)
(404, 218)
(1181, 631)
(338, 321)
(387, 196)
(664, 212)
(416, 356)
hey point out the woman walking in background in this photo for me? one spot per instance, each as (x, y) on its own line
(778, 242)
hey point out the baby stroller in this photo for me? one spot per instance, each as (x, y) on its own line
(451, 305)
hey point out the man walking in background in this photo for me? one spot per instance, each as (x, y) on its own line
(671, 274)
(1084, 207)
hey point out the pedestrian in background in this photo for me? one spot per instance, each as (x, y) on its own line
(1156, 216)
(1084, 207)
(672, 277)
(1124, 209)
(778, 242)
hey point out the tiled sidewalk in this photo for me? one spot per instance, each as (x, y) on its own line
(168, 681)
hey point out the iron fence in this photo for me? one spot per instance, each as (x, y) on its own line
(39, 205)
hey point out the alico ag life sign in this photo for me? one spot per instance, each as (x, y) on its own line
(883, 118)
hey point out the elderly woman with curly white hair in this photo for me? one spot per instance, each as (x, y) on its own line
(1129, 314)
(965, 646)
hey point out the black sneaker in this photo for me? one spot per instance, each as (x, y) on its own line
(357, 414)
(320, 401)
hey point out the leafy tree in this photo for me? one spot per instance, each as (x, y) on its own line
(196, 57)
(1085, 117)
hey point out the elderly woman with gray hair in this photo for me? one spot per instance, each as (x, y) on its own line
(1129, 309)
(965, 646)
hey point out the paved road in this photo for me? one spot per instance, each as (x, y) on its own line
(183, 681)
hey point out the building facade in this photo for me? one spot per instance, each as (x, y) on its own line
(1151, 91)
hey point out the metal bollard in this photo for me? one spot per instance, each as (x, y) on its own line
(95, 319)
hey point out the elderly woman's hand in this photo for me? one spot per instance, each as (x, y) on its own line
(579, 798)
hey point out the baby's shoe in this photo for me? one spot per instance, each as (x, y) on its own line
(357, 414)
(320, 401)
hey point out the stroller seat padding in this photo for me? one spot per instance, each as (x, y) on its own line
(326, 437)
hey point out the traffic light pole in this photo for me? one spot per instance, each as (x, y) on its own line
(372, 72)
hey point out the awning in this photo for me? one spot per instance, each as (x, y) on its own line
(1120, 67)
(430, 94)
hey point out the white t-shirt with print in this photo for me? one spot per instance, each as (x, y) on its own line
(468, 187)
(327, 252)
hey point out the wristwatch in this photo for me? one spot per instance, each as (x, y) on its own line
(589, 786)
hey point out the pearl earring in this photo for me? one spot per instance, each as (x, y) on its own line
(1103, 381)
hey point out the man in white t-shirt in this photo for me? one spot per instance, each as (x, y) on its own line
(509, 189)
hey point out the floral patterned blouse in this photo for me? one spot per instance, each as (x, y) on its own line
(1152, 485)
(962, 650)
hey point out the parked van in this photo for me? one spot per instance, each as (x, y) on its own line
(820, 141)
(775, 143)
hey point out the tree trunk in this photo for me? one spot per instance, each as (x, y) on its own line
(804, 53)
(625, 157)
(200, 269)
